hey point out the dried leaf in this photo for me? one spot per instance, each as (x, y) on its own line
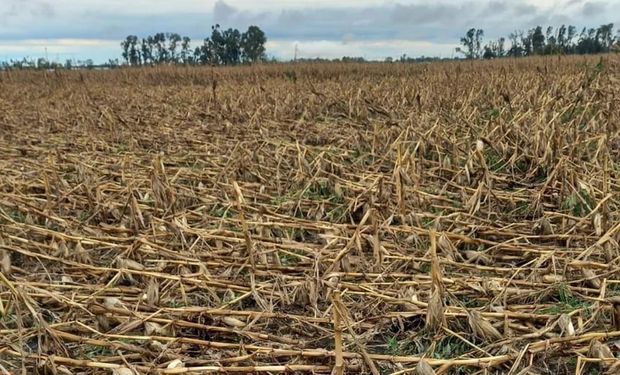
(111, 302)
(435, 313)
(597, 221)
(5, 263)
(156, 329)
(122, 371)
(478, 257)
(152, 292)
(423, 368)
(130, 264)
(233, 322)
(447, 248)
(600, 350)
(177, 363)
(482, 327)
(591, 277)
(566, 325)
(479, 145)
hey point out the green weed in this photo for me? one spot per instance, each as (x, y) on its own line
(579, 204)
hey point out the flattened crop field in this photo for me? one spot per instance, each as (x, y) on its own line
(448, 218)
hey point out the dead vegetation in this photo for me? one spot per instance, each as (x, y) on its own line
(453, 218)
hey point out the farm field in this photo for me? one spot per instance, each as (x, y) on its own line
(448, 218)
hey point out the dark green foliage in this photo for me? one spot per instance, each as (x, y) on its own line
(562, 40)
(222, 47)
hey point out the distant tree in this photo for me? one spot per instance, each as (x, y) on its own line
(159, 42)
(587, 42)
(538, 41)
(494, 49)
(605, 35)
(253, 45)
(112, 63)
(185, 50)
(204, 54)
(173, 43)
(146, 50)
(232, 47)
(526, 42)
(131, 53)
(88, 64)
(551, 46)
(216, 46)
(68, 64)
(472, 44)
(42, 63)
(515, 49)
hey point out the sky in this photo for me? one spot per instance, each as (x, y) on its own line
(374, 29)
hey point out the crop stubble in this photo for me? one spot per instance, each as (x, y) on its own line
(376, 218)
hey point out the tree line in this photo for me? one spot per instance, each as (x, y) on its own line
(565, 40)
(232, 47)
(223, 47)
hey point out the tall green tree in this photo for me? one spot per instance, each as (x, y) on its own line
(253, 45)
(173, 43)
(538, 41)
(515, 49)
(159, 42)
(146, 49)
(185, 50)
(232, 47)
(605, 35)
(131, 53)
(472, 43)
(494, 49)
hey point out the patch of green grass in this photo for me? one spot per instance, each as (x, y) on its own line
(522, 165)
(94, 351)
(176, 304)
(321, 191)
(450, 347)
(570, 114)
(290, 75)
(579, 204)
(425, 267)
(613, 289)
(567, 302)
(400, 347)
(392, 345)
(521, 210)
(287, 259)
(14, 214)
(277, 201)
(364, 158)
(336, 215)
(494, 161)
(221, 211)
(471, 302)
(427, 222)
(490, 114)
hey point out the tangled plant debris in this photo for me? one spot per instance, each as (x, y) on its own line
(439, 218)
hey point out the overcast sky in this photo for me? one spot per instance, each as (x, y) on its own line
(321, 28)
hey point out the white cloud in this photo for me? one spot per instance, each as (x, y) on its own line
(59, 50)
(369, 49)
(327, 28)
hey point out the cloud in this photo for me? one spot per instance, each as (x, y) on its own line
(591, 8)
(16, 8)
(223, 11)
(324, 23)
(369, 49)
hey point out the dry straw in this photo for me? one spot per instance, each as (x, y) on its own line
(361, 218)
